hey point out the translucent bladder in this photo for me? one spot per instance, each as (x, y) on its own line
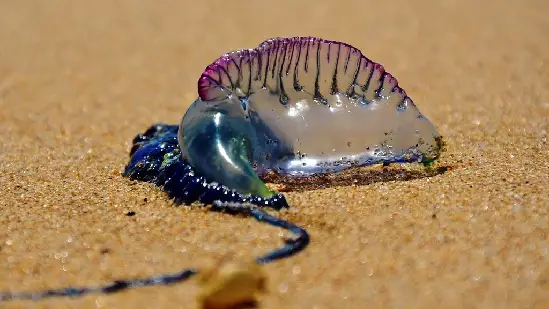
(298, 107)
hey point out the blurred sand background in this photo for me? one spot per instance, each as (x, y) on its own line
(78, 80)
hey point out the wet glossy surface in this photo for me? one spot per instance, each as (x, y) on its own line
(298, 107)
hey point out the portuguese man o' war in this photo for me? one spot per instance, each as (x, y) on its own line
(293, 107)
(298, 107)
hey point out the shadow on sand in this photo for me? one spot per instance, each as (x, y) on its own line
(357, 177)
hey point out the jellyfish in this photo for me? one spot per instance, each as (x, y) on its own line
(293, 107)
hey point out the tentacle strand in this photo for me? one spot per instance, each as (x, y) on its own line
(291, 247)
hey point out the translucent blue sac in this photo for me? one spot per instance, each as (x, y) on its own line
(298, 107)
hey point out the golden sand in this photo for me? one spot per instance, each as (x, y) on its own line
(78, 79)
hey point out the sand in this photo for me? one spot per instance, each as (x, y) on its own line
(78, 79)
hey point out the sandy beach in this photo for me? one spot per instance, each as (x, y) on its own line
(79, 79)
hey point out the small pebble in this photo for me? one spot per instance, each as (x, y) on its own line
(230, 284)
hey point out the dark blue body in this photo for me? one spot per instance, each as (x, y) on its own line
(156, 158)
